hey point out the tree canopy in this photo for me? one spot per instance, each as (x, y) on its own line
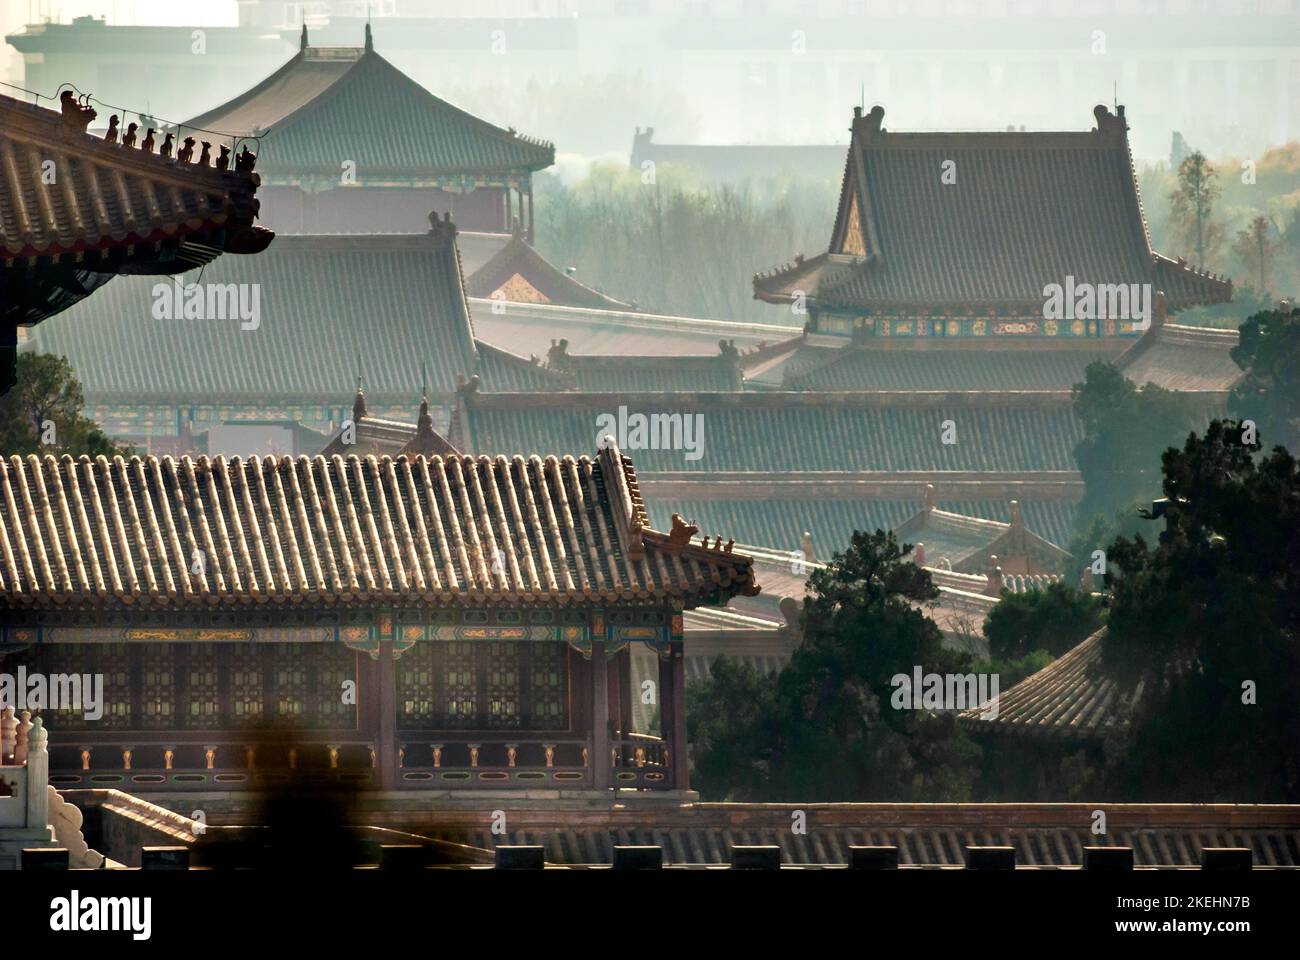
(824, 727)
(1206, 622)
(42, 414)
(1124, 429)
(1269, 394)
(1054, 620)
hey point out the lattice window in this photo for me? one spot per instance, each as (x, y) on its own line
(157, 686)
(417, 691)
(114, 662)
(52, 659)
(502, 686)
(460, 684)
(333, 665)
(203, 687)
(289, 671)
(246, 685)
(548, 686)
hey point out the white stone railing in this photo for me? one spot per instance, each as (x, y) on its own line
(25, 775)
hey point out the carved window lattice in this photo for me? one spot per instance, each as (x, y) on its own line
(114, 662)
(460, 683)
(203, 687)
(417, 700)
(289, 685)
(548, 686)
(502, 685)
(334, 665)
(198, 686)
(496, 685)
(158, 692)
(69, 659)
(246, 685)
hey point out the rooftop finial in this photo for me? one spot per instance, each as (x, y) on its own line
(302, 43)
(359, 404)
(370, 40)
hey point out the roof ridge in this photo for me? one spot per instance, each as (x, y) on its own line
(427, 531)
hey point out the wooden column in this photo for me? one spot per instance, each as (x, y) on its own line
(386, 745)
(615, 682)
(601, 776)
(664, 697)
(627, 691)
(510, 211)
(677, 737)
(529, 233)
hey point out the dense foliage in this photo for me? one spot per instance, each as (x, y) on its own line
(824, 728)
(1051, 620)
(1250, 202)
(1207, 623)
(1124, 430)
(43, 412)
(1269, 393)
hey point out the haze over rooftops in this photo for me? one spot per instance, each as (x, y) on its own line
(978, 222)
(331, 105)
(328, 306)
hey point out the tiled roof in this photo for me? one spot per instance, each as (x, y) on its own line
(869, 368)
(1183, 358)
(1025, 210)
(968, 543)
(110, 207)
(389, 306)
(782, 522)
(530, 328)
(108, 194)
(328, 105)
(373, 436)
(415, 532)
(802, 431)
(929, 834)
(504, 372)
(515, 258)
(716, 372)
(647, 374)
(1068, 698)
(477, 249)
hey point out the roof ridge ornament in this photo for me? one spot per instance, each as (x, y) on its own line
(871, 122)
(1110, 122)
(359, 402)
(681, 533)
(77, 116)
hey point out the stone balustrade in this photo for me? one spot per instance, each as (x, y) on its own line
(24, 787)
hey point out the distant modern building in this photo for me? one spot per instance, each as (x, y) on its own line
(350, 144)
(168, 72)
(775, 72)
